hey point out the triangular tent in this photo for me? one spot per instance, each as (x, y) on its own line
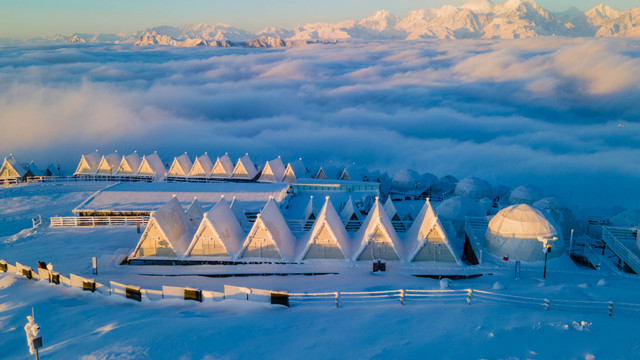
(244, 169)
(310, 214)
(219, 233)
(392, 213)
(273, 171)
(152, 166)
(51, 170)
(195, 213)
(270, 237)
(31, 170)
(295, 170)
(168, 233)
(345, 175)
(351, 216)
(11, 169)
(328, 239)
(223, 168)
(376, 238)
(129, 165)
(108, 164)
(427, 239)
(202, 166)
(181, 166)
(328, 171)
(88, 164)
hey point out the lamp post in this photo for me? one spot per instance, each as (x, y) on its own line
(546, 249)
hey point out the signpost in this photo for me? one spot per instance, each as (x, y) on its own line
(34, 340)
(94, 265)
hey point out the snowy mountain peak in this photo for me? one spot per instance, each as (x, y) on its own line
(603, 11)
(479, 6)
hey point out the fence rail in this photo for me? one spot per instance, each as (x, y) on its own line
(626, 255)
(338, 299)
(74, 221)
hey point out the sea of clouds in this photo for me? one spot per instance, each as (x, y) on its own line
(562, 114)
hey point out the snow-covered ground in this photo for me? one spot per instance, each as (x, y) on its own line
(82, 325)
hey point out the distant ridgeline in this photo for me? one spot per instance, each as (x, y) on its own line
(512, 19)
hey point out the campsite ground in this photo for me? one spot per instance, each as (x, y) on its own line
(85, 325)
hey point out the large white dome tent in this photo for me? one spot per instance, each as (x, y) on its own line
(525, 194)
(474, 188)
(518, 231)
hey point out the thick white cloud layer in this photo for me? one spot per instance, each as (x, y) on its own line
(542, 111)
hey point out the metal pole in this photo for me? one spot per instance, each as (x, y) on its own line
(571, 243)
(37, 356)
(545, 264)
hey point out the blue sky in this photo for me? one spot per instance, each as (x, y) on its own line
(30, 18)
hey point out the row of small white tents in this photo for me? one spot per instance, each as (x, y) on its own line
(173, 233)
(12, 169)
(151, 166)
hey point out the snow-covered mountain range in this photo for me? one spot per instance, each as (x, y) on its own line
(478, 19)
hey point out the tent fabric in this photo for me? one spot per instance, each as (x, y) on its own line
(377, 224)
(419, 234)
(129, 164)
(195, 213)
(173, 225)
(390, 209)
(406, 180)
(295, 170)
(221, 221)
(244, 169)
(349, 211)
(517, 231)
(181, 166)
(151, 165)
(525, 194)
(328, 171)
(310, 210)
(274, 171)
(11, 169)
(202, 166)
(271, 221)
(328, 220)
(223, 168)
(474, 188)
(88, 164)
(109, 164)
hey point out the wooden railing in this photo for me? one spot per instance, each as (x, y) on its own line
(59, 221)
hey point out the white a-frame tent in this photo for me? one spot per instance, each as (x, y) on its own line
(202, 166)
(129, 165)
(427, 239)
(195, 213)
(328, 239)
(244, 169)
(168, 233)
(270, 237)
(223, 168)
(108, 164)
(273, 171)
(88, 164)
(351, 216)
(181, 166)
(152, 166)
(219, 234)
(377, 239)
(10, 169)
(295, 170)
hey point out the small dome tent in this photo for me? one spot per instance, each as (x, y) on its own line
(474, 188)
(627, 218)
(518, 231)
(457, 208)
(525, 195)
(406, 180)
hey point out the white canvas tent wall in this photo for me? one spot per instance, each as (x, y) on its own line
(377, 239)
(354, 173)
(427, 239)
(270, 237)
(273, 171)
(223, 168)
(202, 167)
(181, 166)
(474, 188)
(525, 194)
(152, 166)
(457, 208)
(328, 238)
(108, 164)
(295, 170)
(129, 165)
(219, 234)
(391, 210)
(328, 171)
(517, 231)
(168, 233)
(195, 213)
(244, 169)
(88, 164)
(51, 170)
(10, 169)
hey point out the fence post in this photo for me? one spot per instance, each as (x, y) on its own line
(337, 299)
(401, 296)
(470, 291)
(610, 308)
(546, 304)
